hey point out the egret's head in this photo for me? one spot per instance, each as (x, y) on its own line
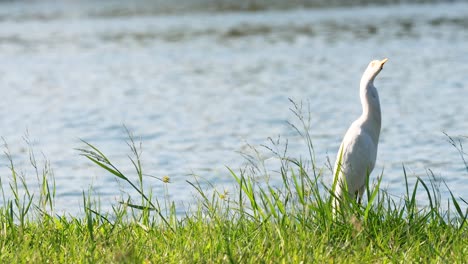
(374, 68)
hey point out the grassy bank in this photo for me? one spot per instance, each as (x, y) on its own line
(289, 222)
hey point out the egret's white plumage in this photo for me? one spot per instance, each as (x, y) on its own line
(358, 151)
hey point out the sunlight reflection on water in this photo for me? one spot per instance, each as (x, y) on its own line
(196, 88)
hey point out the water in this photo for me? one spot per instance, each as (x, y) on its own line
(197, 88)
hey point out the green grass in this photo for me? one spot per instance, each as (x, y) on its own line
(260, 222)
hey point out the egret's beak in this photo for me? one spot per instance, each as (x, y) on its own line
(382, 62)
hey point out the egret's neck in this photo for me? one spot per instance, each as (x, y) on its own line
(371, 114)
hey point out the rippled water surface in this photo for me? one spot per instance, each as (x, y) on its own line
(197, 88)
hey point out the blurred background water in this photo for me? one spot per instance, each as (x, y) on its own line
(198, 81)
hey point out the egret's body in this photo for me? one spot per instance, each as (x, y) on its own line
(358, 151)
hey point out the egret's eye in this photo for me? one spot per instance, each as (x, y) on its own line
(373, 63)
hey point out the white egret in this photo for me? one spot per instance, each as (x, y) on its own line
(358, 151)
